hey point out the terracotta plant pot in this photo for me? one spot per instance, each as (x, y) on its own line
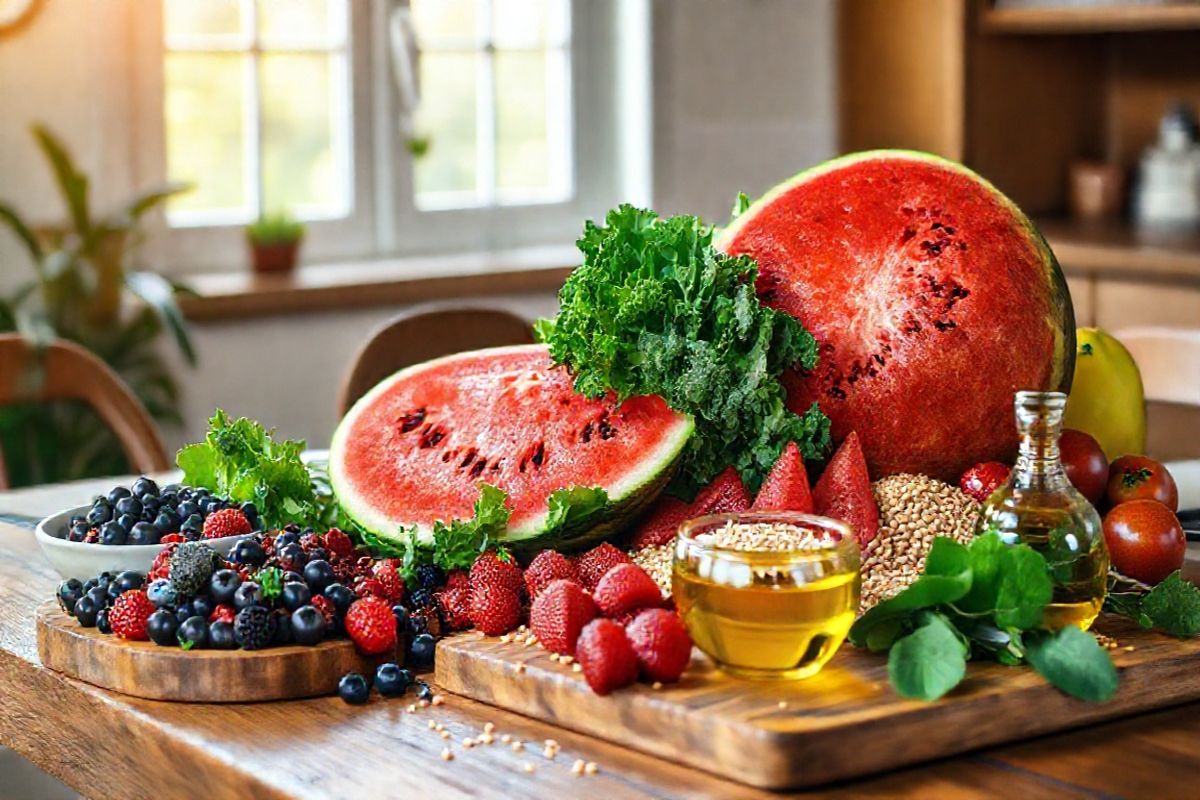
(280, 257)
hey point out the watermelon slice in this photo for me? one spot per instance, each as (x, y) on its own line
(724, 495)
(416, 448)
(786, 486)
(844, 491)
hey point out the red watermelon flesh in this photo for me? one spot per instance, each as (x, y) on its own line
(786, 486)
(726, 494)
(416, 448)
(931, 296)
(844, 491)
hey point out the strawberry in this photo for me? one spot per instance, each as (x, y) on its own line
(844, 490)
(129, 614)
(547, 567)
(494, 609)
(606, 656)
(458, 578)
(226, 522)
(983, 479)
(786, 486)
(223, 613)
(497, 568)
(339, 544)
(390, 580)
(371, 625)
(559, 614)
(725, 493)
(662, 644)
(625, 588)
(592, 565)
(455, 604)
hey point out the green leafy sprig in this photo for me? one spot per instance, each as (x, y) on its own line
(1173, 606)
(656, 309)
(982, 601)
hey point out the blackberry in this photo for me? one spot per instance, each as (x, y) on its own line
(420, 598)
(252, 627)
(192, 567)
(429, 577)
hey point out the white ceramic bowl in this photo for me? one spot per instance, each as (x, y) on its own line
(84, 561)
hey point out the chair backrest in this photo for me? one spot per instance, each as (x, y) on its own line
(1169, 360)
(67, 371)
(425, 333)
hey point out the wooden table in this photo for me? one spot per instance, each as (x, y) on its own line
(106, 744)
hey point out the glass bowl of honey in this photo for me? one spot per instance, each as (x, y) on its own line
(767, 595)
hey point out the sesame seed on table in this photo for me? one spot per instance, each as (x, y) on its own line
(106, 744)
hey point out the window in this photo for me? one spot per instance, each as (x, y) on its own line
(495, 102)
(256, 109)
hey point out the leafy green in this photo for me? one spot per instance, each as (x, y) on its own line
(1073, 661)
(655, 309)
(270, 580)
(574, 507)
(241, 460)
(928, 662)
(455, 544)
(985, 600)
(1173, 606)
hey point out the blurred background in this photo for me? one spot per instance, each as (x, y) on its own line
(164, 164)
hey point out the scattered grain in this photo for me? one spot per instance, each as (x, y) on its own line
(444, 734)
(656, 685)
(576, 668)
(577, 767)
(517, 746)
(489, 727)
(783, 703)
(506, 738)
(447, 754)
(528, 767)
(769, 536)
(590, 768)
(438, 700)
(432, 724)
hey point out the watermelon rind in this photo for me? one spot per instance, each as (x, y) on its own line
(626, 498)
(1063, 321)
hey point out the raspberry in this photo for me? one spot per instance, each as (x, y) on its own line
(371, 625)
(129, 614)
(339, 544)
(497, 568)
(172, 537)
(223, 613)
(455, 604)
(494, 609)
(369, 587)
(661, 643)
(559, 614)
(310, 542)
(547, 567)
(592, 565)
(625, 588)
(390, 580)
(226, 522)
(606, 656)
(325, 606)
(161, 568)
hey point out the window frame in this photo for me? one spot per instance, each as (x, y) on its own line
(385, 220)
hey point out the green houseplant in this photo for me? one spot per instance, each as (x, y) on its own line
(79, 290)
(275, 242)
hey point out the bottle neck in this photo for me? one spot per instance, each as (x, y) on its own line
(1038, 461)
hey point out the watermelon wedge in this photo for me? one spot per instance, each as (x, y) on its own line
(844, 491)
(416, 448)
(786, 486)
(725, 494)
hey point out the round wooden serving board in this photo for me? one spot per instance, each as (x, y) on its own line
(144, 669)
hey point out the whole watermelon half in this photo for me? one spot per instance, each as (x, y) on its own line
(416, 448)
(932, 297)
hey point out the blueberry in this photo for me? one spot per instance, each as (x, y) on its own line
(286, 538)
(292, 555)
(281, 629)
(223, 585)
(193, 524)
(144, 533)
(318, 574)
(353, 688)
(116, 494)
(124, 582)
(187, 508)
(170, 490)
(391, 680)
(203, 606)
(161, 627)
(102, 622)
(193, 630)
(100, 513)
(246, 595)
(98, 595)
(150, 505)
(248, 552)
(220, 636)
(318, 554)
(424, 691)
(401, 615)
(293, 577)
(199, 492)
(78, 532)
(69, 592)
(184, 611)
(340, 596)
(294, 595)
(167, 521)
(91, 583)
(113, 534)
(308, 625)
(144, 486)
(86, 609)
(420, 651)
(251, 512)
(129, 505)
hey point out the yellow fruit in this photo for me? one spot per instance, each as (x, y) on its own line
(1106, 396)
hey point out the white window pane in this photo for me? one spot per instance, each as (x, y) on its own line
(205, 130)
(529, 23)
(448, 116)
(197, 18)
(281, 22)
(532, 148)
(299, 165)
(446, 22)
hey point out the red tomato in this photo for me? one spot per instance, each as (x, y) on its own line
(1141, 478)
(1145, 540)
(1086, 466)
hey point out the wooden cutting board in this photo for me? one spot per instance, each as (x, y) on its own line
(842, 723)
(144, 669)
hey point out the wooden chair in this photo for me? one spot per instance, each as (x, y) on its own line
(1169, 360)
(423, 334)
(67, 371)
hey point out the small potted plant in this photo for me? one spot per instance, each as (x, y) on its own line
(275, 242)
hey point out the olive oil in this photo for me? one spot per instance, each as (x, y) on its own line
(1039, 507)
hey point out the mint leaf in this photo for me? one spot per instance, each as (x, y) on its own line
(1173, 606)
(928, 662)
(573, 507)
(1024, 588)
(270, 580)
(983, 556)
(1073, 662)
